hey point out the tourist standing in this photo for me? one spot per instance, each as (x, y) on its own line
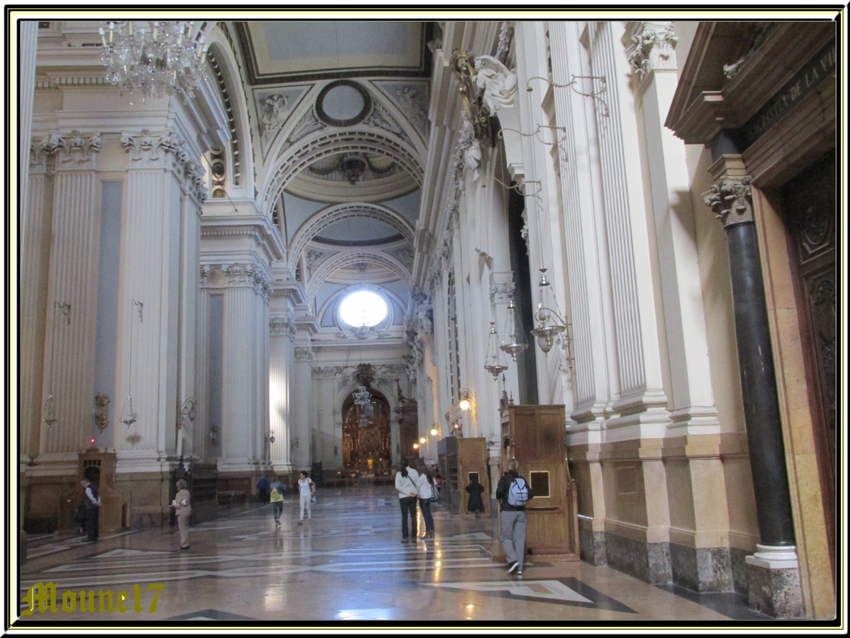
(426, 490)
(306, 489)
(182, 503)
(91, 510)
(407, 485)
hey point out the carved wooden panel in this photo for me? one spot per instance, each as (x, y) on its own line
(810, 212)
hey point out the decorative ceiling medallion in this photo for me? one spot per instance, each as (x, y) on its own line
(343, 103)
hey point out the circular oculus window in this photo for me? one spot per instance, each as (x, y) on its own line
(363, 309)
(343, 103)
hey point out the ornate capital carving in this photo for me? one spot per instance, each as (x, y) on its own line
(69, 151)
(731, 200)
(283, 325)
(653, 47)
(303, 353)
(165, 150)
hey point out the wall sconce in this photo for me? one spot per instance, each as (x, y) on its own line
(435, 430)
(464, 402)
(270, 437)
(415, 446)
(422, 440)
(457, 429)
(572, 85)
(100, 411)
(547, 311)
(213, 434)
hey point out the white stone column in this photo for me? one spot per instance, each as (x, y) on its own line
(653, 57)
(282, 328)
(34, 273)
(245, 400)
(302, 403)
(205, 442)
(158, 177)
(637, 356)
(24, 87)
(71, 296)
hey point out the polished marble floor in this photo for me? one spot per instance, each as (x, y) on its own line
(347, 565)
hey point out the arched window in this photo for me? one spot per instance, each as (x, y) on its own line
(363, 309)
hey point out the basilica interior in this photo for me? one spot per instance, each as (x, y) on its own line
(604, 249)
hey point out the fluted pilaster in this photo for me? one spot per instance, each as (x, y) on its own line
(635, 324)
(72, 293)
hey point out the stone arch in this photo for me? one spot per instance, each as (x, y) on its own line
(219, 47)
(325, 143)
(332, 214)
(341, 260)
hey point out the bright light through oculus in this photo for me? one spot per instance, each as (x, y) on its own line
(363, 308)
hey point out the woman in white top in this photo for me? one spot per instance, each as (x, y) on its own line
(407, 485)
(306, 488)
(426, 489)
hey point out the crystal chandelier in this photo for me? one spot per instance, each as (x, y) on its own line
(362, 396)
(158, 61)
(494, 365)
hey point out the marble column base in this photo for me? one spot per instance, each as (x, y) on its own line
(592, 547)
(773, 576)
(705, 570)
(648, 562)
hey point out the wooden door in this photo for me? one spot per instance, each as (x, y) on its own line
(809, 210)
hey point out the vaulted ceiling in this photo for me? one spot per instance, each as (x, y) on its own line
(340, 146)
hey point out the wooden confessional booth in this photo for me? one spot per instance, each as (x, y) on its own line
(535, 436)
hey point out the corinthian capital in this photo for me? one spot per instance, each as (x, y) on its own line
(731, 200)
(653, 47)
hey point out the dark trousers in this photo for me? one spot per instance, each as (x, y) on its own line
(277, 508)
(408, 506)
(92, 521)
(425, 506)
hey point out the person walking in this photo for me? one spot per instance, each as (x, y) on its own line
(91, 510)
(407, 485)
(263, 489)
(425, 492)
(182, 503)
(276, 498)
(306, 489)
(475, 489)
(513, 494)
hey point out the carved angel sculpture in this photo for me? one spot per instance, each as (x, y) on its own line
(496, 81)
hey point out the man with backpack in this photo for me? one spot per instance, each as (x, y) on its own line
(513, 493)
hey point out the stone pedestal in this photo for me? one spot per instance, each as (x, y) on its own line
(774, 582)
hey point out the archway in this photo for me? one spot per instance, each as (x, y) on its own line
(366, 437)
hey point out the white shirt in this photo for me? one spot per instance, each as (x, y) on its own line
(407, 486)
(424, 488)
(305, 486)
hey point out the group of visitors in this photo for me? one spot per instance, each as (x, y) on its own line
(512, 492)
(413, 487)
(273, 491)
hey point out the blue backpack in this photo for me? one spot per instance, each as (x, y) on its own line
(518, 493)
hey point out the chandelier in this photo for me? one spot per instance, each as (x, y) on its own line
(550, 326)
(494, 364)
(362, 396)
(513, 343)
(158, 61)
